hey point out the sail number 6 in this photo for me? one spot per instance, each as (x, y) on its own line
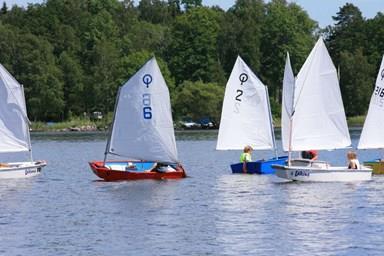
(147, 109)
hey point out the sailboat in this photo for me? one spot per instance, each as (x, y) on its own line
(14, 129)
(142, 131)
(315, 120)
(246, 119)
(372, 134)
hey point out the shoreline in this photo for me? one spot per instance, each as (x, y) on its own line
(80, 125)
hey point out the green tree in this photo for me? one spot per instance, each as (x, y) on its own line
(73, 87)
(192, 53)
(4, 8)
(154, 11)
(144, 36)
(8, 39)
(289, 29)
(188, 4)
(104, 67)
(348, 34)
(34, 66)
(198, 99)
(133, 62)
(357, 81)
(240, 34)
(375, 33)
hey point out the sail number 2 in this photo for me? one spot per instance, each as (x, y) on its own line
(379, 99)
(239, 92)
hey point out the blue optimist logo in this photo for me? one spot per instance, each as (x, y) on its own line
(147, 80)
(146, 100)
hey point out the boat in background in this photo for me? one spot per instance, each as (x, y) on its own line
(372, 136)
(142, 131)
(315, 120)
(14, 129)
(246, 119)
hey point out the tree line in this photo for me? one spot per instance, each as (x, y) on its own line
(72, 55)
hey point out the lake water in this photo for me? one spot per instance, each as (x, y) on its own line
(68, 211)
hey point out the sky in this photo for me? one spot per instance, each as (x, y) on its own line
(319, 10)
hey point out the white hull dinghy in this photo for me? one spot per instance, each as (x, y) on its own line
(14, 129)
(21, 169)
(313, 118)
(319, 171)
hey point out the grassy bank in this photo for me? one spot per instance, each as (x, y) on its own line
(356, 121)
(75, 124)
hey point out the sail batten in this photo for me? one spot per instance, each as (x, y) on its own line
(143, 125)
(319, 120)
(372, 134)
(245, 118)
(14, 129)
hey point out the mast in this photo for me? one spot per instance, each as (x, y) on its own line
(291, 124)
(271, 123)
(290, 140)
(27, 126)
(111, 127)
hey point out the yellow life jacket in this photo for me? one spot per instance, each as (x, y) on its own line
(245, 157)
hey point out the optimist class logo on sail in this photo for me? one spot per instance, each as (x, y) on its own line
(147, 109)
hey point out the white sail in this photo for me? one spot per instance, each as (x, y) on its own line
(245, 118)
(287, 103)
(143, 125)
(372, 135)
(319, 120)
(14, 131)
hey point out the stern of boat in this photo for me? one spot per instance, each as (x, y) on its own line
(376, 165)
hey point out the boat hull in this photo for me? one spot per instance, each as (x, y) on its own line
(119, 170)
(21, 169)
(322, 174)
(376, 165)
(260, 166)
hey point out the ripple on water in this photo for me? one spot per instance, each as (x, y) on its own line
(67, 211)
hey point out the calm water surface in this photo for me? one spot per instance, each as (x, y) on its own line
(68, 211)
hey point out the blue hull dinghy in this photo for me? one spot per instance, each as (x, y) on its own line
(246, 119)
(260, 166)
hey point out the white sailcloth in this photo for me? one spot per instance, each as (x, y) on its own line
(245, 118)
(372, 135)
(287, 102)
(143, 125)
(14, 131)
(319, 120)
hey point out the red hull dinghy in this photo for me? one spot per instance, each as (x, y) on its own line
(142, 129)
(124, 170)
